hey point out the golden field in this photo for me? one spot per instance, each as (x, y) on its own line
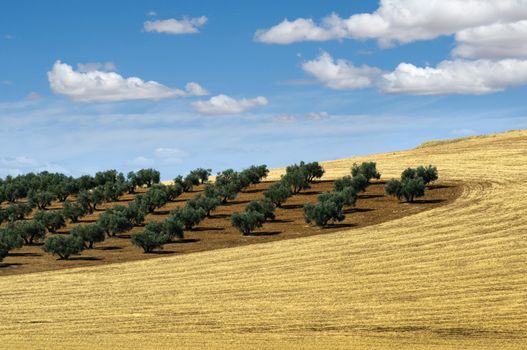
(454, 277)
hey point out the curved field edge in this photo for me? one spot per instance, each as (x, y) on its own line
(454, 277)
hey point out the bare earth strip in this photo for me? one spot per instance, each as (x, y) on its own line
(454, 277)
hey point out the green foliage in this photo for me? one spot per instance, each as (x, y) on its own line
(208, 204)
(313, 170)
(173, 191)
(409, 188)
(149, 240)
(134, 213)
(52, 220)
(358, 183)
(188, 216)
(63, 246)
(323, 212)
(9, 239)
(73, 211)
(428, 174)
(17, 211)
(247, 222)
(89, 234)
(169, 229)
(228, 184)
(30, 230)
(41, 199)
(114, 221)
(253, 175)
(278, 193)
(186, 184)
(347, 196)
(148, 177)
(84, 199)
(154, 198)
(368, 169)
(265, 207)
(97, 196)
(296, 179)
(201, 174)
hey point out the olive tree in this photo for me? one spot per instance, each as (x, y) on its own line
(73, 211)
(208, 204)
(278, 193)
(322, 213)
(63, 246)
(89, 234)
(247, 222)
(188, 216)
(52, 220)
(368, 169)
(409, 188)
(265, 207)
(17, 211)
(149, 240)
(41, 199)
(201, 174)
(114, 221)
(30, 231)
(9, 239)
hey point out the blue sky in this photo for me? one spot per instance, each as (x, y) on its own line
(372, 77)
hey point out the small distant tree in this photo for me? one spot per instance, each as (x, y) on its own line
(368, 169)
(247, 222)
(202, 174)
(173, 191)
(63, 246)
(409, 188)
(89, 234)
(347, 196)
(189, 216)
(186, 184)
(97, 196)
(72, 211)
(17, 211)
(149, 240)
(228, 184)
(253, 175)
(313, 170)
(30, 231)
(208, 204)
(148, 177)
(52, 220)
(323, 212)
(41, 199)
(173, 229)
(428, 174)
(265, 207)
(134, 213)
(9, 239)
(84, 199)
(296, 179)
(278, 193)
(114, 222)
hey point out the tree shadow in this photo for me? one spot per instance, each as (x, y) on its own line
(81, 220)
(123, 235)
(23, 254)
(256, 190)
(199, 229)
(219, 216)
(427, 201)
(308, 193)
(438, 187)
(4, 265)
(161, 212)
(292, 206)
(339, 225)
(85, 258)
(282, 221)
(229, 203)
(113, 247)
(161, 252)
(370, 196)
(186, 240)
(264, 233)
(357, 210)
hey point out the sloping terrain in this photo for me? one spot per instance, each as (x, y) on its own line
(454, 277)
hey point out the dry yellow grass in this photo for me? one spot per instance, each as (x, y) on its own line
(454, 277)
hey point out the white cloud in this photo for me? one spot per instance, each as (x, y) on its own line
(499, 40)
(284, 118)
(170, 155)
(99, 86)
(317, 116)
(140, 161)
(7, 82)
(290, 118)
(192, 89)
(174, 26)
(151, 13)
(32, 96)
(340, 74)
(401, 21)
(23, 164)
(223, 104)
(456, 77)
(94, 66)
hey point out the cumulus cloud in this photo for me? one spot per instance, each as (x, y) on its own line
(456, 77)
(499, 40)
(192, 89)
(170, 155)
(100, 86)
(93, 66)
(23, 164)
(340, 74)
(223, 104)
(174, 26)
(399, 21)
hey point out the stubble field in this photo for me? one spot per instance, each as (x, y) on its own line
(453, 277)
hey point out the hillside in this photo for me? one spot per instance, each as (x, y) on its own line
(448, 278)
